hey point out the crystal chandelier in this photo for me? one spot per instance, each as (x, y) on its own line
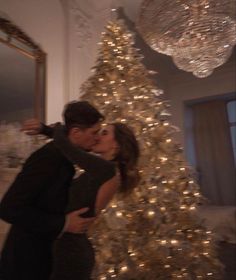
(198, 34)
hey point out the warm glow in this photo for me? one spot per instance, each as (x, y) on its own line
(151, 213)
(124, 268)
(152, 200)
(119, 214)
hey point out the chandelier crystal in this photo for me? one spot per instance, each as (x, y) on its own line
(198, 34)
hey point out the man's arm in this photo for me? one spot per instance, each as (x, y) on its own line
(75, 223)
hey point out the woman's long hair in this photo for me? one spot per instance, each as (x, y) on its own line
(127, 156)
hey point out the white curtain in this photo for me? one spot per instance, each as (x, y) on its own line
(214, 153)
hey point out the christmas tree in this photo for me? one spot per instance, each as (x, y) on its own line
(153, 233)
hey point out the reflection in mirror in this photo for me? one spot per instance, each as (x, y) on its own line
(22, 75)
(22, 92)
(17, 85)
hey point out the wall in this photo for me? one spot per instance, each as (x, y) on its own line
(85, 20)
(44, 22)
(185, 87)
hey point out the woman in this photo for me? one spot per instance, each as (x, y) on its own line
(74, 255)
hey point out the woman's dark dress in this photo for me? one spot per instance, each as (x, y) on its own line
(73, 253)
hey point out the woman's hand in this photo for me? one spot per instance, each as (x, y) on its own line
(32, 127)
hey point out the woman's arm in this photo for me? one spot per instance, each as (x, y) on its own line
(106, 193)
(34, 127)
(47, 130)
(95, 165)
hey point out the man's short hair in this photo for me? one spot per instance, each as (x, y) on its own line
(81, 114)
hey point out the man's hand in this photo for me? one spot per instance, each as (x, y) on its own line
(77, 224)
(31, 127)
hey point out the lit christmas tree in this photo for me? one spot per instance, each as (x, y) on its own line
(152, 234)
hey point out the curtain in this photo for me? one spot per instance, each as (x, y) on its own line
(214, 152)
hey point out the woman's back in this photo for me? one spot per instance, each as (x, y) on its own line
(83, 192)
(73, 253)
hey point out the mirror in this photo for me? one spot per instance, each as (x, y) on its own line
(22, 96)
(22, 75)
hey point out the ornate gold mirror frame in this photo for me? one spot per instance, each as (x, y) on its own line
(12, 36)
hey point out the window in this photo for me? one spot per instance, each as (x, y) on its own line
(231, 109)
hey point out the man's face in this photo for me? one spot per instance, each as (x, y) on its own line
(85, 138)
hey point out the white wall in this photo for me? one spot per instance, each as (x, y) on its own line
(44, 22)
(185, 87)
(85, 22)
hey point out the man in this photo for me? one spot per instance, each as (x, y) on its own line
(35, 202)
